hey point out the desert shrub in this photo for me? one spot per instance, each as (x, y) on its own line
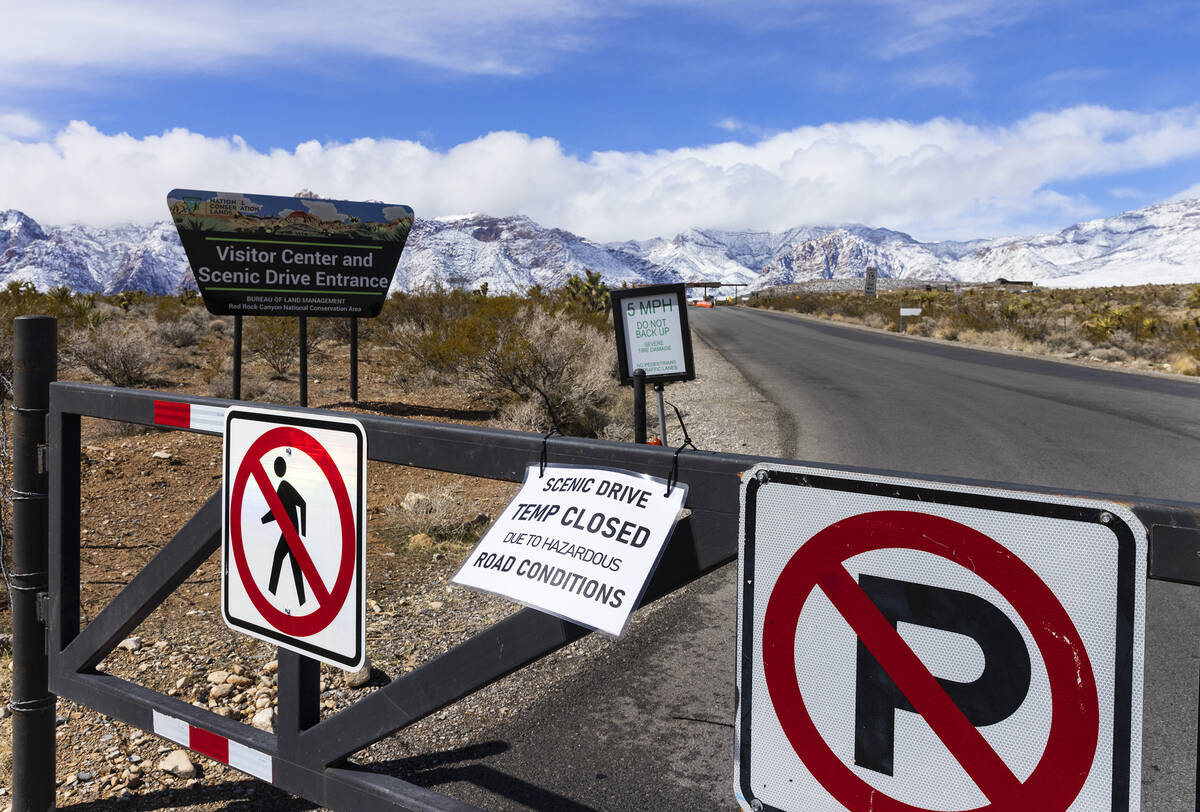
(436, 522)
(253, 388)
(921, 327)
(587, 297)
(1065, 341)
(1184, 364)
(338, 330)
(128, 299)
(169, 308)
(217, 357)
(275, 340)
(554, 362)
(1110, 354)
(522, 415)
(16, 299)
(506, 349)
(185, 330)
(123, 355)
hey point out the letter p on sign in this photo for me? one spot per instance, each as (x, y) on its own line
(929, 646)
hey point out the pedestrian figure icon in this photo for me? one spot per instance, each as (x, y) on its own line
(293, 505)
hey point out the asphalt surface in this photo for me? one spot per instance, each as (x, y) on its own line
(866, 398)
(649, 727)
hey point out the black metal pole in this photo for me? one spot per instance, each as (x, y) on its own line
(35, 365)
(353, 359)
(299, 700)
(304, 360)
(639, 406)
(237, 357)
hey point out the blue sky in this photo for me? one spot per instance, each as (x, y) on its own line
(945, 118)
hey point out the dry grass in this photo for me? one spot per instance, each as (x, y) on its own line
(1185, 365)
(1151, 326)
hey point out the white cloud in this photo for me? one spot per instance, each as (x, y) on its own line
(44, 44)
(921, 25)
(745, 128)
(936, 179)
(69, 42)
(20, 125)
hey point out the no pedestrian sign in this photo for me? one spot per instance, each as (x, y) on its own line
(915, 645)
(293, 564)
(579, 543)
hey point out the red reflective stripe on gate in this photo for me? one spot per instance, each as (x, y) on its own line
(209, 744)
(173, 413)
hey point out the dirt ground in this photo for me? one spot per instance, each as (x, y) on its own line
(139, 486)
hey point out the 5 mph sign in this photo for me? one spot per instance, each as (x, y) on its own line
(908, 645)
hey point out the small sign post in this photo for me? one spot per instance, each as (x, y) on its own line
(908, 311)
(652, 333)
(579, 543)
(871, 282)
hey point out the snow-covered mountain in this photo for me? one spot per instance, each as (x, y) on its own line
(513, 254)
(103, 260)
(1158, 244)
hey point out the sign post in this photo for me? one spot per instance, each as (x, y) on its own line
(266, 255)
(916, 645)
(293, 555)
(908, 311)
(871, 282)
(652, 333)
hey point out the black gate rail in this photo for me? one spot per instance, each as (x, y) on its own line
(309, 754)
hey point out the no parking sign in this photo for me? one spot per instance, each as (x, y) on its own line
(293, 551)
(913, 645)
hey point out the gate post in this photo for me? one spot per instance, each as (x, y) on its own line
(35, 365)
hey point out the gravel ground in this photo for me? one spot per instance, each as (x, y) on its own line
(721, 412)
(413, 613)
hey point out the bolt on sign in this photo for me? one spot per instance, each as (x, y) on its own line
(651, 325)
(914, 645)
(265, 255)
(293, 567)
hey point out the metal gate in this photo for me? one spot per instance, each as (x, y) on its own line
(307, 755)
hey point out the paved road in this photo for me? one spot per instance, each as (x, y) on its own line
(864, 398)
(859, 398)
(867, 398)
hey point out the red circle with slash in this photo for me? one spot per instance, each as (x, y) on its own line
(330, 601)
(1063, 769)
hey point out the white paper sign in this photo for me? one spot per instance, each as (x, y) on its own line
(579, 543)
(653, 335)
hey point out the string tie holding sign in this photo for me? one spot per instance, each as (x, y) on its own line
(554, 429)
(673, 477)
(545, 449)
